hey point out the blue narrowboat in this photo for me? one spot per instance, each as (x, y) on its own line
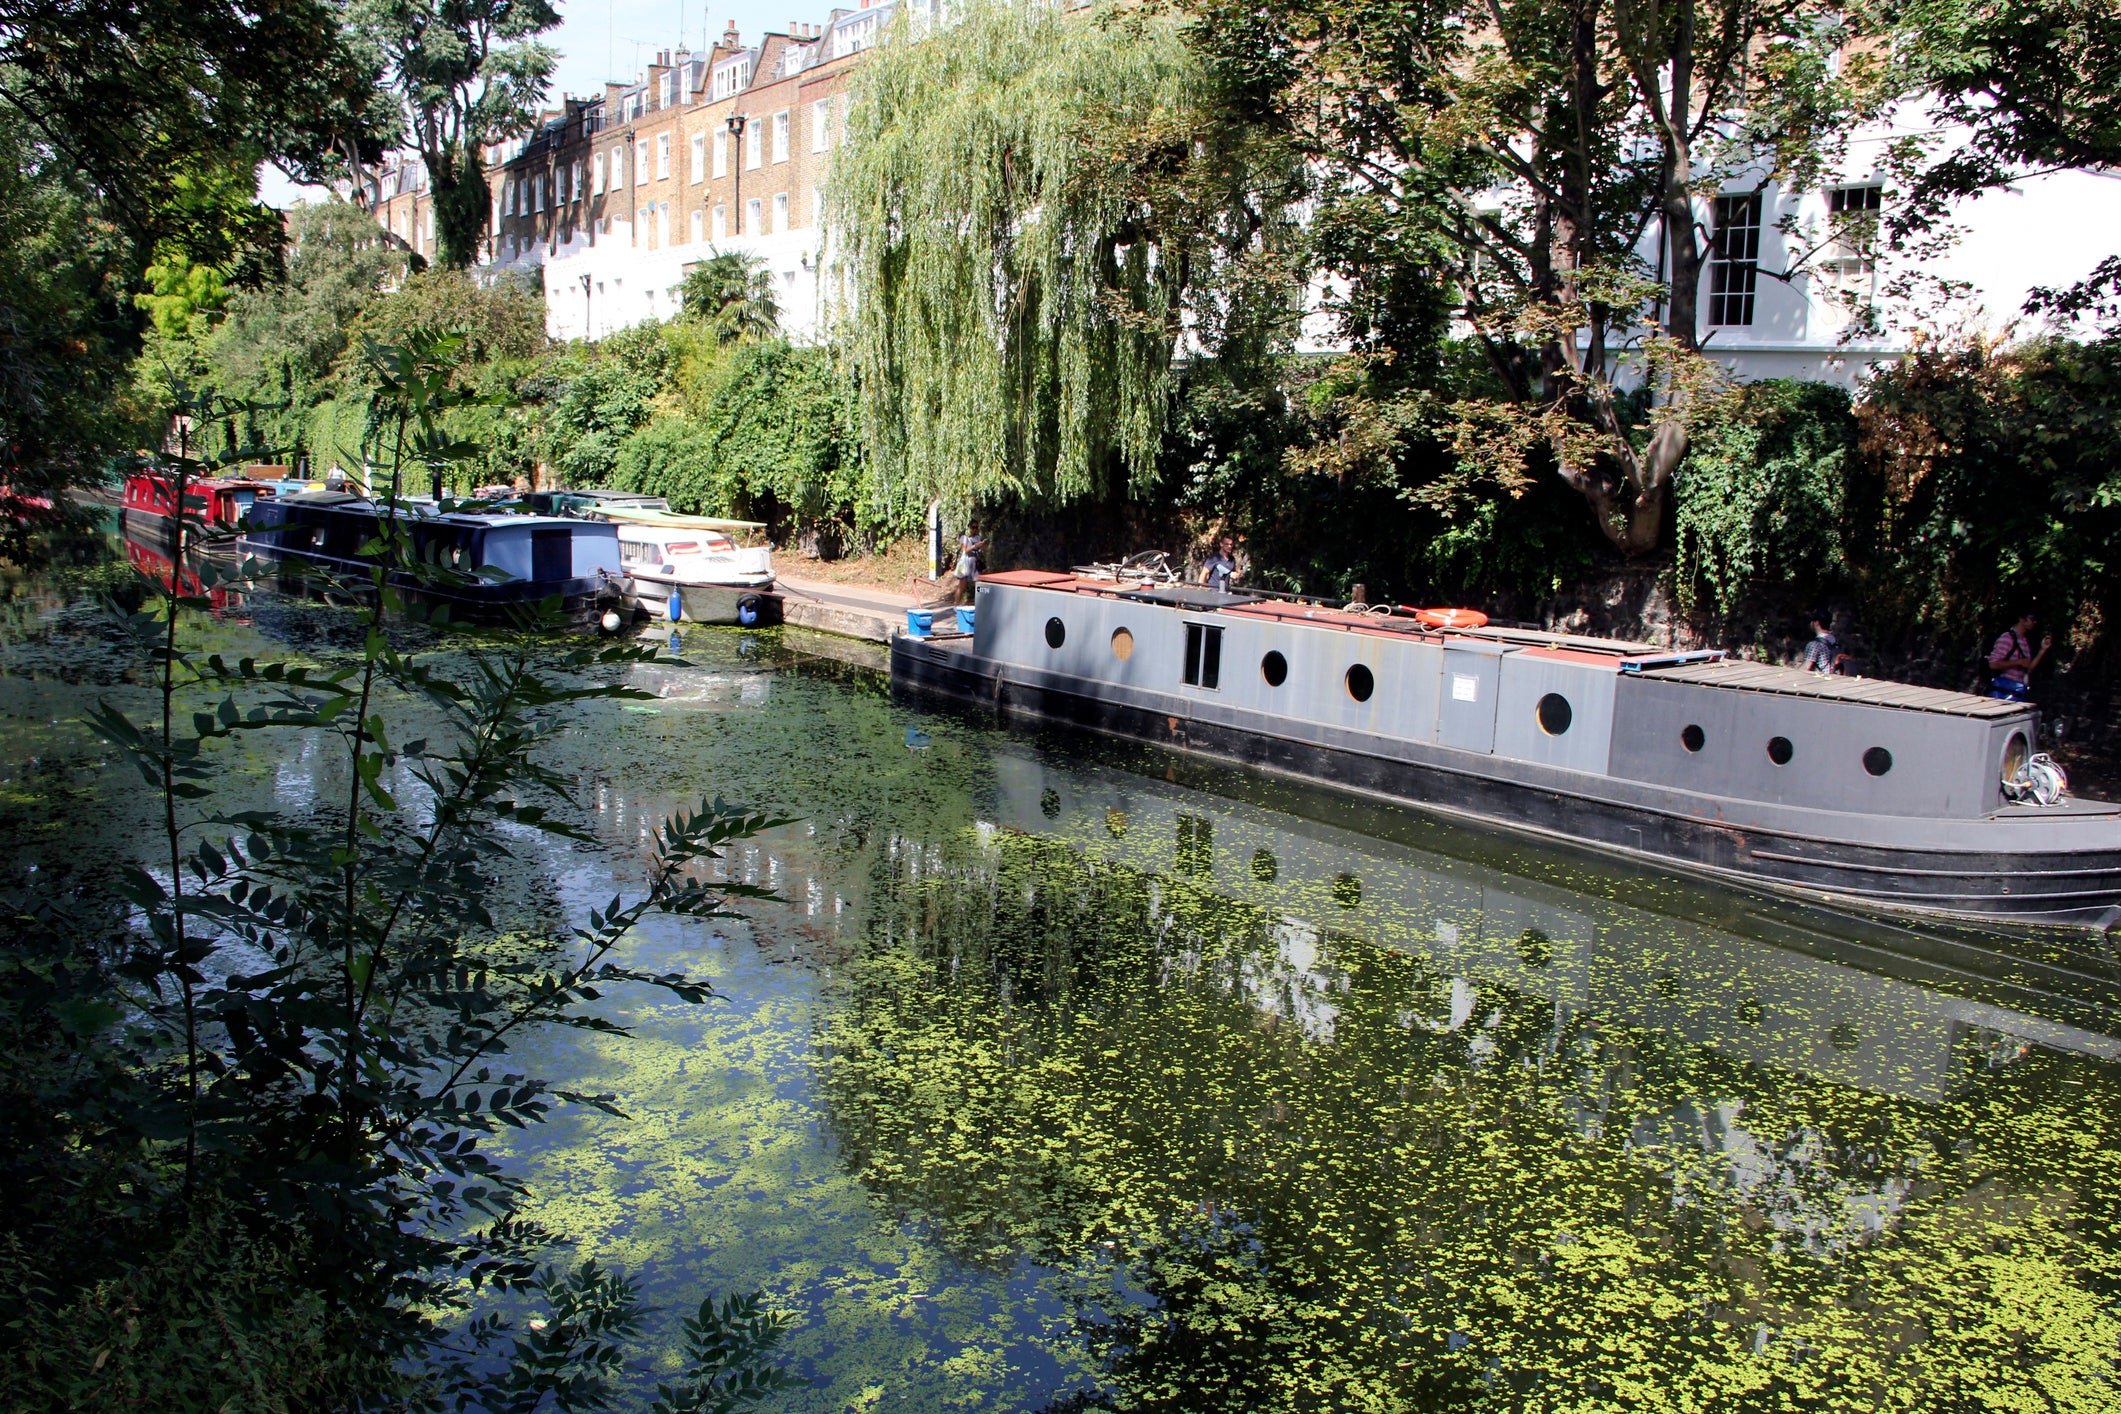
(491, 568)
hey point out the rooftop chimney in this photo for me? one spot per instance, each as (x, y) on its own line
(729, 36)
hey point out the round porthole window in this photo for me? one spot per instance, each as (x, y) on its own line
(1056, 633)
(1275, 669)
(1122, 643)
(1265, 867)
(1555, 714)
(2015, 754)
(1360, 683)
(1347, 890)
(1693, 738)
(1779, 750)
(1877, 761)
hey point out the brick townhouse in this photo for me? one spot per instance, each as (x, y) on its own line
(612, 199)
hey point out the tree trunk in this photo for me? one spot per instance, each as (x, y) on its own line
(463, 204)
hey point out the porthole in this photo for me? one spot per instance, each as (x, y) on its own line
(1844, 1037)
(1360, 683)
(1779, 750)
(1122, 643)
(1056, 633)
(2015, 754)
(1347, 890)
(1275, 669)
(1693, 738)
(1116, 822)
(1535, 947)
(1555, 714)
(1049, 804)
(1877, 760)
(1265, 867)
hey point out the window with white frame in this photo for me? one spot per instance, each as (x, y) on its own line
(729, 77)
(699, 157)
(780, 213)
(641, 169)
(721, 152)
(751, 217)
(721, 223)
(753, 130)
(1849, 265)
(662, 154)
(596, 172)
(1734, 260)
(667, 85)
(780, 136)
(537, 192)
(699, 226)
(821, 125)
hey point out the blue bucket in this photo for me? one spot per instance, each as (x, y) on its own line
(919, 623)
(964, 620)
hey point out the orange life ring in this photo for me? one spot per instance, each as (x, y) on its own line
(1451, 618)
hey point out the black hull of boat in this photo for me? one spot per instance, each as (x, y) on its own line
(2076, 888)
(583, 602)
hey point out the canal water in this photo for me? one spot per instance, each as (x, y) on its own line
(1062, 1075)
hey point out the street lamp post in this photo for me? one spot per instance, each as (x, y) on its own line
(736, 166)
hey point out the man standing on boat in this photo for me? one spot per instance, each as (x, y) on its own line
(2012, 660)
(1221, 566)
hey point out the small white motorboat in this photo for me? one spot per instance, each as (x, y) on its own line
(691, 567)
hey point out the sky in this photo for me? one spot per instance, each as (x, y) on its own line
(614, 39)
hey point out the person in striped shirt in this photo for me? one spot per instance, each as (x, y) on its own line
(2011, 660)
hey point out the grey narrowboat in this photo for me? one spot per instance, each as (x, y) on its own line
(1849, 790)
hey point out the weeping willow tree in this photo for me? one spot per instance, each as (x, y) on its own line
(1035, 215)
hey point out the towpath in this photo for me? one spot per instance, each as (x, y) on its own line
(852, 610)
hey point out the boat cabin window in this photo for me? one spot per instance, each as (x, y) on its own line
(719, 544)
(551, 553)
(1204, 656)
(1056, 633)
(682, 547)
(1275, 669)
(1554, 714)
(1361, 683)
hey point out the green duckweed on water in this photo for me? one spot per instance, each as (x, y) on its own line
(1067, 1077)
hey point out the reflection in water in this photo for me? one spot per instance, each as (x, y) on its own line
(1052, 1084)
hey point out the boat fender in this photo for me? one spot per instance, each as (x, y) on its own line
(747, 611)
(610, 621)
(1451, 618)
(675, 605)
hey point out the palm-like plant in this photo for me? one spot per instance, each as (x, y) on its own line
(732, 292)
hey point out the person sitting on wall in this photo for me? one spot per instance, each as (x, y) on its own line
(1823, 654)
(2012, 660)
(1220, 568)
